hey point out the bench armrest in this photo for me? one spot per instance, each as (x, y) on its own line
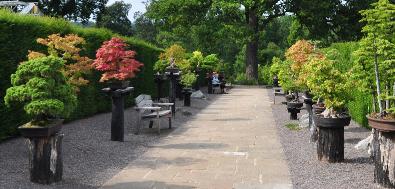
(147, 108)
(163, 104)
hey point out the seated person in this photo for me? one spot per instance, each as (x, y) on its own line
(222, 83)
(215, 81)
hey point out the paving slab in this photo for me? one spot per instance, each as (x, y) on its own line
(232, 143)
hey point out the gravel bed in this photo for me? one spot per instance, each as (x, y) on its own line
(89, 157)
(307, 172)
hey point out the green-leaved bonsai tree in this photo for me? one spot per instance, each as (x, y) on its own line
(188, 79)
(43, 89)
(328, 83)
(374, 70)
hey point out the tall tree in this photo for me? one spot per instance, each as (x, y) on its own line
(248, 16)
(115, 18)
(76, 10)
(331, 20)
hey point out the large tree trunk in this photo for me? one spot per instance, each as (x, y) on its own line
(252, 46)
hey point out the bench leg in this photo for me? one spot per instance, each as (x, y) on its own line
(158, 120)
(138, 126)
(151, 123)
(169, 122)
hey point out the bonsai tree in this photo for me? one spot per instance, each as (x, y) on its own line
(299, 54)
(188, 79)
(115, 61)
(41, 85)
(176, 53)
(374, 68)
(329, 84)
(68, 48)
(291, 75)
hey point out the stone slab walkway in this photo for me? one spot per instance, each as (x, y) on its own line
(230, 144)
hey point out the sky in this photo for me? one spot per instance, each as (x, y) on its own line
(137, 5)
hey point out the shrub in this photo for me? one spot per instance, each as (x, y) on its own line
(241, 79)
(264, 75)
(18, 34)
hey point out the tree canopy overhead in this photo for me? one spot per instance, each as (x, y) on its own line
(209, 25)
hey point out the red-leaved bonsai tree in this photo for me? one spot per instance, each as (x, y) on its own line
(115, 61)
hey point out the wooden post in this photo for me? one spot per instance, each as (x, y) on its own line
(45, 159)
(330, 144)
(384, 158)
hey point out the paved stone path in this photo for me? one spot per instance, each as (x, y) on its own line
(230, 144)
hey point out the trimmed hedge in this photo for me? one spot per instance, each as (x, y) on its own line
(359, 107)
(18, 34)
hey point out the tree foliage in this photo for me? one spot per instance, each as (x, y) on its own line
(76, 10)
(68, 48)
(335, 20)
(375, 66)
(115, 18)
(41, 86)
(115, 61)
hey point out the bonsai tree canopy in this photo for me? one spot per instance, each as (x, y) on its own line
(40, 85)
(188, 79)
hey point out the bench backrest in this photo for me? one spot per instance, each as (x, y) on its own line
(144, 100)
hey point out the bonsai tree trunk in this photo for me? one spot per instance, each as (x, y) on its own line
(252, 46)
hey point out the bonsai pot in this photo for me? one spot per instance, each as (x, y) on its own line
(294, 108)
(318, 108)
(30, 131)
(187, 96)
(381, 124)
(293, 104)
(321, 121)
(289, 97)
(115, 85)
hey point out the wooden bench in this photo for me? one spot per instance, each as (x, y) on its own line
(277, 91)
(148, 110)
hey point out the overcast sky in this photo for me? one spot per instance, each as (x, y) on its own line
(137, 5)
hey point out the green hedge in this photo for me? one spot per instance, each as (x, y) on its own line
(359, 107)
(18, 34)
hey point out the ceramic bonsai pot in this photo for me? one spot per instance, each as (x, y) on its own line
(321, 121)
(115, 85)
(29, 131)
(289, 97)
(381, 124)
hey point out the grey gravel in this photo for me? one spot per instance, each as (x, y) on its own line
(89, 157)
(307, 172)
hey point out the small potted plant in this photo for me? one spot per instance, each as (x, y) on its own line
(48, 98)
(331, 85)
(117, 63)
(187, 80)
